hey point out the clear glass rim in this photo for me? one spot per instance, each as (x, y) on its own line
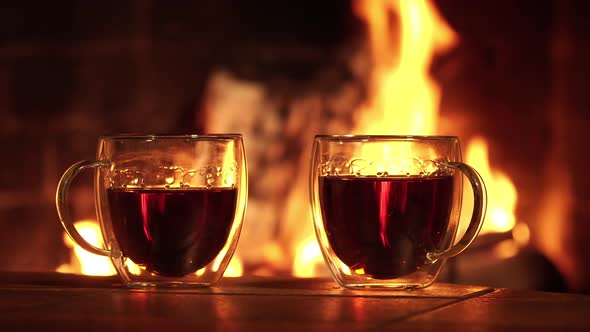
(151, 137)
(360, 138)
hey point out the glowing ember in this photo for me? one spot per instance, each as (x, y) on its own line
(83, 262)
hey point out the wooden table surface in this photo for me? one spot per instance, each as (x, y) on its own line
(52, 301)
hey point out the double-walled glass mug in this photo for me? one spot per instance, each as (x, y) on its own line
(386, 208)
(170, 208)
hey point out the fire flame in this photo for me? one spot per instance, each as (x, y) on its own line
(404, 99)
(83, 262)
(502, 200)
(307, 255)
(502, 195)
(235, 268)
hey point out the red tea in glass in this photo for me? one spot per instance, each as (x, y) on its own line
(385, 226)
(172, 232)
(172, 205)
(386, 208)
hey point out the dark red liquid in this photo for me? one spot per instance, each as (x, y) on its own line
(172, 232)
(385, 225)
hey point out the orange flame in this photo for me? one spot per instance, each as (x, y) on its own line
(307, 255)
(83, 262)
(404, 99)
(502, 200)
(502, 195)
(235, 268)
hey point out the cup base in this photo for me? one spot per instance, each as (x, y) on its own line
(388, 287)
(167, 285)
(417, 280)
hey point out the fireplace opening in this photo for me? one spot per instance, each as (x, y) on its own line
(503, 76)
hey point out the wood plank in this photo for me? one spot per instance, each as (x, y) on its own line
(120, 309)
(507, 310)
(73, 303)
(250, 285)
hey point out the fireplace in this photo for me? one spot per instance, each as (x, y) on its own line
(507, 76)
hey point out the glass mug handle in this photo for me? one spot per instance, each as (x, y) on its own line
(479, 210)
(61, 199)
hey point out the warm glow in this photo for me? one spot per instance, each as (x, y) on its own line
(521, 234)
(235, 268)
(555, 210)
(307, 255)
(510, 247)
(132, 267)
(506, 249)
(502, 195)
(403, 98)
(83, 262)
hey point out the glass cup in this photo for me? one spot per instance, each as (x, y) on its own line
(170, 208)
(386, 208)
